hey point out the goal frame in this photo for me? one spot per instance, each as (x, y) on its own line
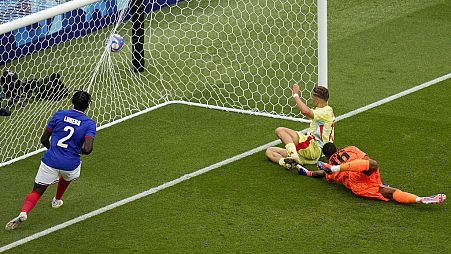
(75, 4)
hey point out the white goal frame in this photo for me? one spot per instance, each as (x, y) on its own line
(75, 4)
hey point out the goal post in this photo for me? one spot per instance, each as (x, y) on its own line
(238, 56)
(322, 43)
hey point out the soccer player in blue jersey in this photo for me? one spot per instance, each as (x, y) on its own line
(72, 133)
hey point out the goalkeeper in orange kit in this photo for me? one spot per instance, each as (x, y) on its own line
(357, 172)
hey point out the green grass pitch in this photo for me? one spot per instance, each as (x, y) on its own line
(253, 206)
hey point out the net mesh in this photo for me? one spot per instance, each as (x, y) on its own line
(14, 9)
(231, 54)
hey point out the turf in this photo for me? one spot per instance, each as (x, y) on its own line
(402, 46)
(219, 52)
(376, 49)
(254, 206)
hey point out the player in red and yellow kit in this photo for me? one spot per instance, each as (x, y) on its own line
(306, 148)
(357, 172)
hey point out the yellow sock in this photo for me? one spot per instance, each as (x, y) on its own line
(282, 163)
(404, 197)
(291, 149)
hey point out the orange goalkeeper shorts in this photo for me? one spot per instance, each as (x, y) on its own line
(366, 186)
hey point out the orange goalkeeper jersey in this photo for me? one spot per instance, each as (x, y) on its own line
(358, 182)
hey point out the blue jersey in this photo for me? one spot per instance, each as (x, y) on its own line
(69, 130)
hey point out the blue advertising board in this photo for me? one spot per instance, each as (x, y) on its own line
(67, 26)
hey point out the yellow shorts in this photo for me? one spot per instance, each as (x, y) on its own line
(309, 151)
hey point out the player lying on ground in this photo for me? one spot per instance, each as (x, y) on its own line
(357, 172)
(72, 134)
(306, 148)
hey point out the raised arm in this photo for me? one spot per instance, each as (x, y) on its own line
(305, 110)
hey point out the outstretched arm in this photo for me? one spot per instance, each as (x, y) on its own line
(318, 173)
(305, 172)
(305, 110)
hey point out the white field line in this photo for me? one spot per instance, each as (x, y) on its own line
(204, 170)
(394, 97)
(135, 197)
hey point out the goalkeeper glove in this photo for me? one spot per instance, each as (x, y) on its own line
(324, 166)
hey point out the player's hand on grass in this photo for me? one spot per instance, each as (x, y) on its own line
(324, 166)
(296, 89)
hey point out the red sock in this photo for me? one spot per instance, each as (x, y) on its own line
(62, 186)
(30, 201)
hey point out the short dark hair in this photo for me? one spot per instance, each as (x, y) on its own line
(329, 149)
(321, 92)
(81, 100)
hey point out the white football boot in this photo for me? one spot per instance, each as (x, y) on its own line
(436, 199)
(57, 203)
(16, 221)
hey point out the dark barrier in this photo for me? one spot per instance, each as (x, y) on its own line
(67, 26)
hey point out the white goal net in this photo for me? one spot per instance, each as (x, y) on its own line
(232, 55)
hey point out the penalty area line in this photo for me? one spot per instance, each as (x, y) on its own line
(207, 169)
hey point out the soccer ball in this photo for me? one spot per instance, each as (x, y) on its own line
(117, 42)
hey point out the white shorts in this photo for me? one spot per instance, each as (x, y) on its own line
(47, 175)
